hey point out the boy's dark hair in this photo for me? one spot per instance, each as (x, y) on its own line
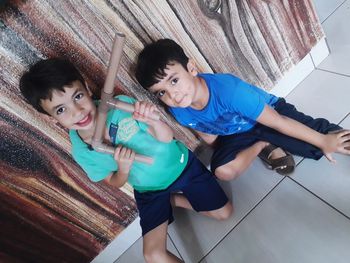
(154, 58)
(44, 77)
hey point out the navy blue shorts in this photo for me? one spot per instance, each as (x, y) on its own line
(196, 183)
(227, 147)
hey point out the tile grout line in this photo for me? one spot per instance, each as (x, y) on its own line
(321, 199)
(333, 12)
(312, 59)
(239, 222)
(332, 72)
(347, 115)
(177, 250)
(125, 251)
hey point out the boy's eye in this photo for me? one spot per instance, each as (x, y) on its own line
(174, 81)
(79, 96)
(60, 110)
(161, 93)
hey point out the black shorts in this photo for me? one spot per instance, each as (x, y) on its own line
(227, 147)
(196, 183)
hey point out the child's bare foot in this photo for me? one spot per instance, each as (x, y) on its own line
(277, 153)
(276, 158)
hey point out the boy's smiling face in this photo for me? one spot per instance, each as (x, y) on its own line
(73, 108)
(178, 87)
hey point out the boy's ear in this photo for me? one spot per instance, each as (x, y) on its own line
(191, 67)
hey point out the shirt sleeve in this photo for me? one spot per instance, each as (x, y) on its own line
(247, 101)
(96, 165)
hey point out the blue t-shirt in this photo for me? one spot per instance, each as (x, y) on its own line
(169, 159)
(233, 106)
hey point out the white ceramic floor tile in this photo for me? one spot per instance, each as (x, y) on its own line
(134, 253)
(120, 244)
(337, 32)
(319, 52)
(194, 235)
(322, 94)
(324, 8)
(329, 181)
(294, 76)
(291, 226)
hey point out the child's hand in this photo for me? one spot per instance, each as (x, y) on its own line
(143, 111)
(336, 142)
(157, 128)
(124, 158)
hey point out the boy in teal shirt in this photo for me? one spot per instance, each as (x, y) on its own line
(176, 177)
(170, 158)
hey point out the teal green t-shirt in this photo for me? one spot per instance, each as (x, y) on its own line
(170, 158)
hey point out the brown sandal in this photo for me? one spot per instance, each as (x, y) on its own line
(283, 165)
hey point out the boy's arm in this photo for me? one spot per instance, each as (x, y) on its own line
(117, 179)
(124, 158)
(328, 143)
(157, 128)
(208, 138)
(161, 131)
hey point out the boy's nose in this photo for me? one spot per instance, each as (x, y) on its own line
(172, 94)
(77, 110)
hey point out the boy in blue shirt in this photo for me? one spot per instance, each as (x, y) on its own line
(241, 121)
(176, 177)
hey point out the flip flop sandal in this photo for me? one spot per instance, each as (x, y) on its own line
(284, 165)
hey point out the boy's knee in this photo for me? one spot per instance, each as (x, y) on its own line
(153, 255)
(226, 173)
(226, 212)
